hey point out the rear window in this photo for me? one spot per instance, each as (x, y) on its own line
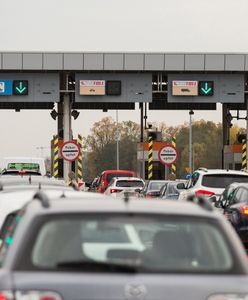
(133, 243)
(112, 175)
(23, 166)
(129, 183)
(222, 180)
(156, 186)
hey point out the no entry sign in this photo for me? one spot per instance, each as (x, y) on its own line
(168, 155)
(70, 151)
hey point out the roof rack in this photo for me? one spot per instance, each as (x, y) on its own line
(42, 197)
(202, 202)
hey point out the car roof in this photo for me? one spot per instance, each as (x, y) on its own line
(128, 178)
(116, 171)
(220, 171)
(12, 180)
(90, 202)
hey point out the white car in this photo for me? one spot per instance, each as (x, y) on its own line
(208, 182)
(122, 184)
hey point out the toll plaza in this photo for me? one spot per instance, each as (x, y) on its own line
(156, 81)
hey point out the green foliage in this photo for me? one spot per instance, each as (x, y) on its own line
(101, 143)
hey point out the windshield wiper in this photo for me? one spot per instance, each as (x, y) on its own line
(93, 266)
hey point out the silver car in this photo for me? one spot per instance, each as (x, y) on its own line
(104, 248)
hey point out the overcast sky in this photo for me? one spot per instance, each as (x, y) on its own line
(112, 25)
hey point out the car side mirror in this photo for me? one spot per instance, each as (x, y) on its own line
(181, 186)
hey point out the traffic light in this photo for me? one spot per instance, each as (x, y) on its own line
(156, 135)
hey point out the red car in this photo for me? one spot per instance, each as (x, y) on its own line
(107, 175)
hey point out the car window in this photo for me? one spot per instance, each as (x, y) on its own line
(155, 185)
(111, 182)
(241, 195)
(129, 183)
(7, 232)
(222, 180)
(145, 243)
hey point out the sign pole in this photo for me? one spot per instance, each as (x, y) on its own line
(67, 131)
(80, 159)
(55, 156)
(246, 133)
(190, 142)
(150, 157)
(173, 166)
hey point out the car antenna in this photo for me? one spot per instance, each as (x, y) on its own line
(63, 195)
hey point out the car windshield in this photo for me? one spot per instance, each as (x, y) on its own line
(129, 183)
(156, 185)
(222, 180)
(129, 242)
(112, 175)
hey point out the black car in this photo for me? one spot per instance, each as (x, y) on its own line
(235, 206)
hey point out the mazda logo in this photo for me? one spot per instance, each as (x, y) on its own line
(135, 292)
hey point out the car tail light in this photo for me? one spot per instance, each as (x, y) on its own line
(115, 191)
(31, 295)
(245, 210)
(6, 295)
(204, 193)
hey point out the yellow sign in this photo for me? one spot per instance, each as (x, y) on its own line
(187, 169)
(92, 87)
(184, 88)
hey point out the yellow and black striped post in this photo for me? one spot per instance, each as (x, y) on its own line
(173, 166)
(244, 155)
(150, 156)
(80, 159)
(55, 156)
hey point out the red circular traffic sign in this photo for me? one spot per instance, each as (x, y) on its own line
(168, 155)
(70, 151)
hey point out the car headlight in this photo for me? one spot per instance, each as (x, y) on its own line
(228, 297)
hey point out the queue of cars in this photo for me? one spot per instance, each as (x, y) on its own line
(95, 247)
(57, 243)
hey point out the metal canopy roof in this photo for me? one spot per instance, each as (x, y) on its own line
(45, 61)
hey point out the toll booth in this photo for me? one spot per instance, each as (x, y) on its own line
(160, 171)
(233, 157)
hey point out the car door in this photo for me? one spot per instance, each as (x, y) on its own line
(232, 209)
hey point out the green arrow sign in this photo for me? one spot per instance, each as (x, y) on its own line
(206, 88)
(20, 87)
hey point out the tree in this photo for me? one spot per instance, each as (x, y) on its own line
(101, 145)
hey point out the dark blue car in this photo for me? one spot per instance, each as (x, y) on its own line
(235, 207)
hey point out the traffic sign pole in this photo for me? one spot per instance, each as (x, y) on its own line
(67, 131)
(173, 166)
